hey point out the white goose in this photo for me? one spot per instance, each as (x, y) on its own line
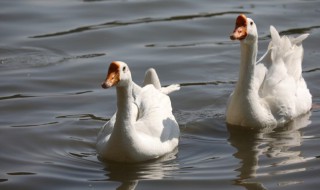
(143, 128)
(272, 91)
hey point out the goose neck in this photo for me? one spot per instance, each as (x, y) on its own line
(247, 66)
(124, 103)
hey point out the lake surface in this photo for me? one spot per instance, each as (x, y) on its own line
(55, 54)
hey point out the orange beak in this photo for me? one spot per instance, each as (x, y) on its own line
(113, 76)
(240, 30)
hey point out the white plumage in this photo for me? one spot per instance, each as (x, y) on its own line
(143, 128)
(270, 91)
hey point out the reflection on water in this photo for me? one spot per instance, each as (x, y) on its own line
(128, 185)
(129, 174)
(279, 145)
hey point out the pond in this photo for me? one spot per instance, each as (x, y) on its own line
(55, 54)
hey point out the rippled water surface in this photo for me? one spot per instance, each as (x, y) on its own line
(54, 54)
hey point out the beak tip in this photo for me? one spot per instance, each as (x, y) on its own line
(104, 85)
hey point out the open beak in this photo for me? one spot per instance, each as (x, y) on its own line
(113, 76)
(240, 30)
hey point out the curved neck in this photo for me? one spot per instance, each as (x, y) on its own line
(247, 66)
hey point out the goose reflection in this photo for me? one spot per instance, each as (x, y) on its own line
(129, 174)
(274, 147)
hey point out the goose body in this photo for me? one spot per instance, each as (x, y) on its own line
(270, 91)
(143, 128)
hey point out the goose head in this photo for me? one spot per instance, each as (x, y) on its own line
(245, 30)
(118, 75)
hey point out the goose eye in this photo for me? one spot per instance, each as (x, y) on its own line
(251, 23)
(124, 69)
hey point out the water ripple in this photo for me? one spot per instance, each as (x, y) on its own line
(311, 70)
(19, 96)
(113, 24)
(298, 30)
(83, 117)
(207, 83)
(192, 44)
(21, 173)
(15, 96)
(36, 125)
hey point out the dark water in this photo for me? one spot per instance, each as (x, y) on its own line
(54, 54)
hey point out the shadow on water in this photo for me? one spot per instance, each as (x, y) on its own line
(279, 145)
